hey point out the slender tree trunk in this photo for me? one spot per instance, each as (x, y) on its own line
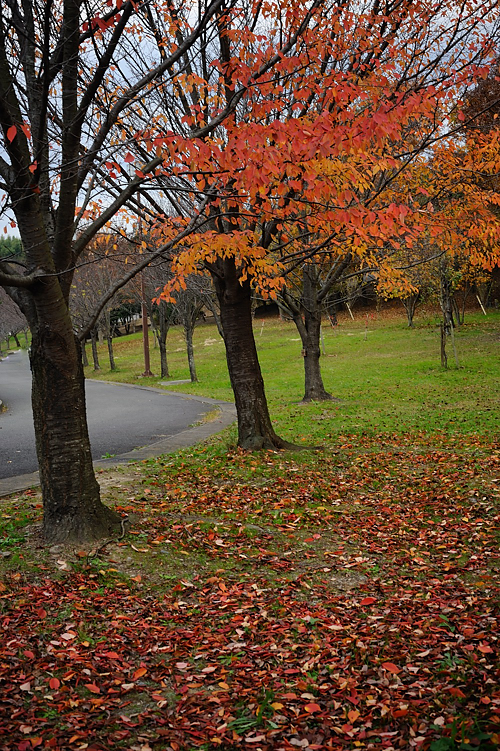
(111, 355)
(307, 318)
(188, 333)
(163, 328)
(309, 328)
(95, 356)
(444, 358)
(446, 302)
(106, 318)
(254, 423)
(410, 305)
(448, 320)
(72, 507)
(164, 371)
(211, 306)
(85, 359)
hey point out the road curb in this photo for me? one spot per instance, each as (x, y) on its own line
(226, 415)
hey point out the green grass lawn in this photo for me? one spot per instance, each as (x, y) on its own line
(387, 377)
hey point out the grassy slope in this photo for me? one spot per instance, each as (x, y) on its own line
(387, 377)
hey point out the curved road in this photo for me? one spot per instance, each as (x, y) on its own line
(121, 417)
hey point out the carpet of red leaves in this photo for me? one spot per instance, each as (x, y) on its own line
(347, 602)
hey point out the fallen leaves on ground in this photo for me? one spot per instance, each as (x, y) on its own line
(339, 600)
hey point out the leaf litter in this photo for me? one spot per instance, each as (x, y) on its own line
(340, 600)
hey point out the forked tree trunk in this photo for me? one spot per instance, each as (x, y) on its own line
(72, 507)
(309, 328)
(254, 423)
(160, 316)
(307, 319)
(410, 305)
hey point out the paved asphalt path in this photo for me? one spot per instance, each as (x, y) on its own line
(121, 417)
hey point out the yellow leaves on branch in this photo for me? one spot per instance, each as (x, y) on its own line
(208, 248)
(392, 282)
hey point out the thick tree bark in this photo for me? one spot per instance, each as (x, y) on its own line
(72, 507)
(43, 171)
(255, 430)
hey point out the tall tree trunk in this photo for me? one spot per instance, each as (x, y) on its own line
(444, 358)
(106, 319)
(447, 309)
(456, 310)
(95, 356)
(85, 359)
(164, 372)
(309, 328)
(306, 315)
(254, 423)
(163, 327)
(410, 305)
(111, 355)
(446, 301)
(188, 333)
(211, 306)
(72, 507)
